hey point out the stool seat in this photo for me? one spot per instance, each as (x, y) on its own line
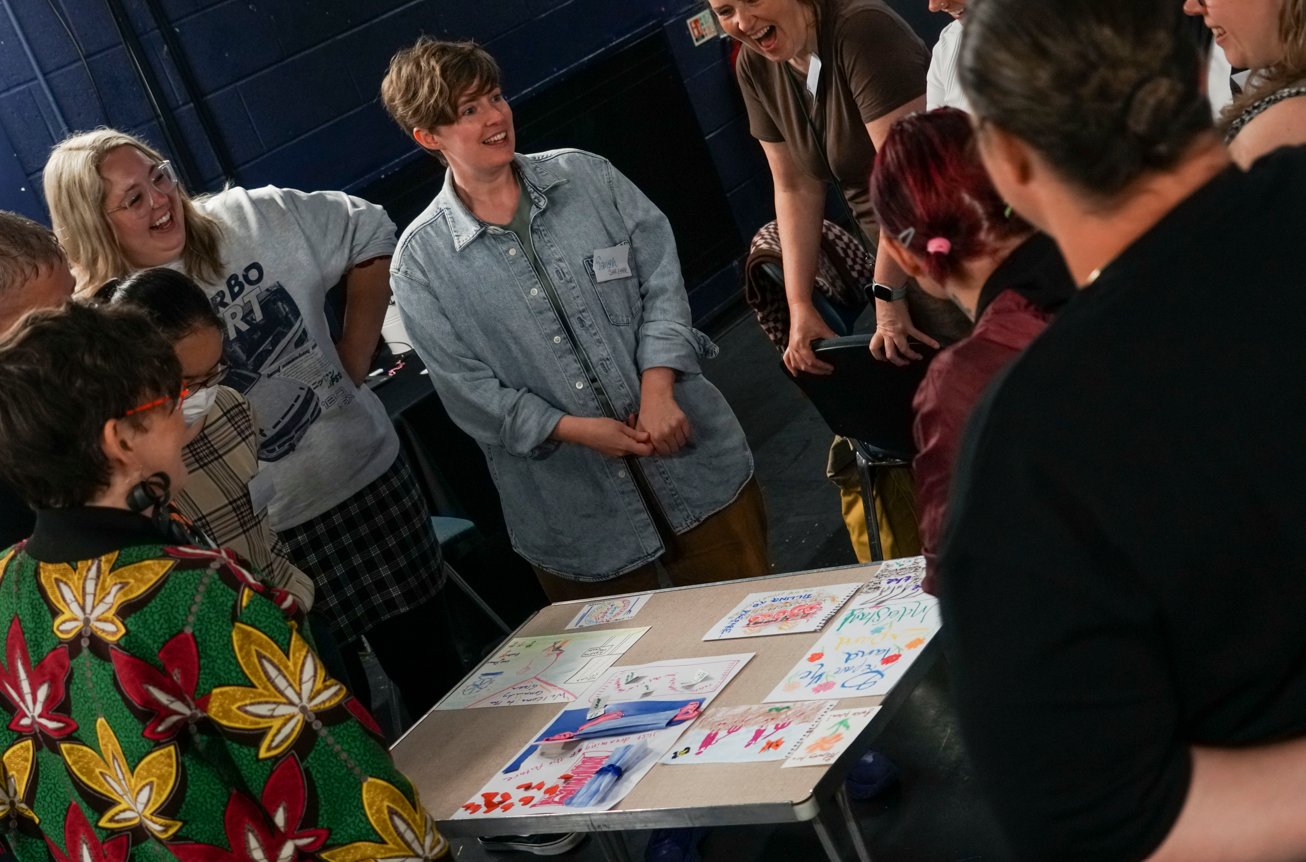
(449, 530)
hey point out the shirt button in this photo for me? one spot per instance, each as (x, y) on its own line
(535, 291)
(621, 474)
(557, 339)
(512, 252)
(580, 385)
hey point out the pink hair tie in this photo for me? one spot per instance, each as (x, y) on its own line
(938, 245)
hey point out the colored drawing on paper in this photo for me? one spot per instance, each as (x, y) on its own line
(648, 704)
(863, 653)
(782, 612)
(608, 611)
(546, 778)
(542, 669)
(831, 736)
(895, 579)
(747, 734)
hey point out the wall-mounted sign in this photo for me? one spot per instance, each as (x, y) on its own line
(703, 27)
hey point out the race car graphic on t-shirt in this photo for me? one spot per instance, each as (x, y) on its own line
(276, 363)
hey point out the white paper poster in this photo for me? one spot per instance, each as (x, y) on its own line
(831, 737)
(543, 669)
(863, 653)
(747, 734)
(804, 609)
(608, 611)
(639, 708)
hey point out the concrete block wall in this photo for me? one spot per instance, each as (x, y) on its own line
(292, 84)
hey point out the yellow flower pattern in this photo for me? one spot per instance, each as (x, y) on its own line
(288, 693)
(138, 793)
(407, 830)
(16, 774)
(90, 596)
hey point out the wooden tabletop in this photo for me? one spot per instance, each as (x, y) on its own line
(451, 754)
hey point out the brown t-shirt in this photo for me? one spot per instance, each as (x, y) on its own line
(871, 63)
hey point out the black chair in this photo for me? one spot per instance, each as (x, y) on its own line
(869, 402)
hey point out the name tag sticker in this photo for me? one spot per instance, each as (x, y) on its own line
(610, 263)
(813, 74)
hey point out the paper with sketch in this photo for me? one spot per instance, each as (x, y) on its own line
(805, 609)
(542, 669)
(895, 579)
(863, 653)
(747, 734)
(647, 705)
(831, 736)
(608, 611)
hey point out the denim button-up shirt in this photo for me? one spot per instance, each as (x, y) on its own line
(507, 370)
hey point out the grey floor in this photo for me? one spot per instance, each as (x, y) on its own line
(935, 813)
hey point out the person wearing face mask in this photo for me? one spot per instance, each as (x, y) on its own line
(221, 454)
(942, 87)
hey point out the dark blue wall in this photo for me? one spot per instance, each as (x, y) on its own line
(292, 84)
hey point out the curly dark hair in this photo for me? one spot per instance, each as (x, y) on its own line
(64, 372)
(1104, 90)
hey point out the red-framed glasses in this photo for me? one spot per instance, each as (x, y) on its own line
(159, 402)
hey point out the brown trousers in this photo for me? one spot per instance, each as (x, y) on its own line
(728, 545)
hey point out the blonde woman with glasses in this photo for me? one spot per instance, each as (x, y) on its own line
(330, 466)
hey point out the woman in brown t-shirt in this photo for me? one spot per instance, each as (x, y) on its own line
(825, 79)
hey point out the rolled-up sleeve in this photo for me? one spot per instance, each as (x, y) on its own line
(666, 338)
(486, 409)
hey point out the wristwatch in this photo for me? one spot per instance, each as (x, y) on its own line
(886, 293)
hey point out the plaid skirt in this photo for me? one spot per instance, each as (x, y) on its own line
(374, 556)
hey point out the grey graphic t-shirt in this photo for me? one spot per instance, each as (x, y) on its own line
(321, 438)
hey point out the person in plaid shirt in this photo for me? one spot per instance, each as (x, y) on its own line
(222, 453)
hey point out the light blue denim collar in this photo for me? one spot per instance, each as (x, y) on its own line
(466, 227)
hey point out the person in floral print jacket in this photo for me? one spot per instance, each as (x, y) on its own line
(160, 702)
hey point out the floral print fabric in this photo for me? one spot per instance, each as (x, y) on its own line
(158, 702)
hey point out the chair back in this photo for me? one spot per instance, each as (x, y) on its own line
(865, 399)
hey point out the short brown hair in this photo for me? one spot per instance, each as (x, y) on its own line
(26, 248)
(425, 81)
(64, 372)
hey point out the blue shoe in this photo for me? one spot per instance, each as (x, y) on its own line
(872, 775)
(674, 845)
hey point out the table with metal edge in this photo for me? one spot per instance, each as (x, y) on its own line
(450, 754)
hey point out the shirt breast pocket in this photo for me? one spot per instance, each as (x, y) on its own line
(618, 296)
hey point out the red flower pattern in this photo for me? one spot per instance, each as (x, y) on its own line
(35, 692)
(170, 693)
(82, 845)
(271, 832)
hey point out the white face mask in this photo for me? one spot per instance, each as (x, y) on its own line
(197, 404)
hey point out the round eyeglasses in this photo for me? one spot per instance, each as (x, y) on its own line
(137, 204)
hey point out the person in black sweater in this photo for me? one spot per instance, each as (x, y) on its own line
(1122, 573)
(33, 274)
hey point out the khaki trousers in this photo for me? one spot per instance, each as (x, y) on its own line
(728, 545)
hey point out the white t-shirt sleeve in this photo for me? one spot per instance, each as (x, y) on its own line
(346, 230)
(942, 86)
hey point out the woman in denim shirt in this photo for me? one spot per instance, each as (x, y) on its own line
(544, 294)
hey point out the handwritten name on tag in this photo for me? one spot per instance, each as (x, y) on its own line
(610, 263)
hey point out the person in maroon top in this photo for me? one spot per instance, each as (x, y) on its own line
(948, 228)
